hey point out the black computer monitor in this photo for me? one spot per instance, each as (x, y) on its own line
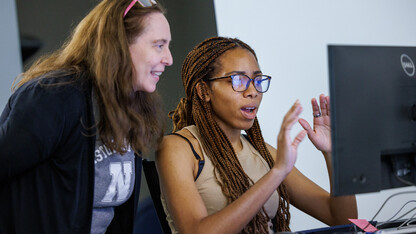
(373, 117)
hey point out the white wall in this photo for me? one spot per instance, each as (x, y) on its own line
(10, 60)
(290, 39)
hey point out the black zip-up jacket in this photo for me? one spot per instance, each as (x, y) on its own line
(47, 145)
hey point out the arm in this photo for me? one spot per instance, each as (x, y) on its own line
(175, 166)
(316, 201)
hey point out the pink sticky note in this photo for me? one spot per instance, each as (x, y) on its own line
(364, 225)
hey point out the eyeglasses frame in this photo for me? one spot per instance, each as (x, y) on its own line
(248, 83)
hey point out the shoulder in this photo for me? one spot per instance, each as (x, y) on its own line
(176, 143)
(175, 159)
(59, 92)
(48, 102)
(175, 149)
(67, 87)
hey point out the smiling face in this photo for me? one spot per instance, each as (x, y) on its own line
(150, 53)
(234, 111)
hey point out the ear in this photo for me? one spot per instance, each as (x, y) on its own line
(202, 91)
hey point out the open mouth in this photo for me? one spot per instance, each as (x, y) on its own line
(249, 109)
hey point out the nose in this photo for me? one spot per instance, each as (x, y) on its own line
(167, 58)
(251, 91)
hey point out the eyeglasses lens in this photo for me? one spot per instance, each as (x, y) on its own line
(241, 82)
(261, 83)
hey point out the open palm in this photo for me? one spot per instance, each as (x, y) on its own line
(320, 134)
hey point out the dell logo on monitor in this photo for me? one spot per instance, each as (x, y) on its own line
(408, 65)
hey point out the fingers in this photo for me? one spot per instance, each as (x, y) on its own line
(328, 105)
(289, 120)
(298, 139)
(315, 108)
(323, 109)
(324, 104)
(292, 116)
(305, 125)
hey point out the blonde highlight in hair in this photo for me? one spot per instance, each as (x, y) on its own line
(201, 63)
(98, 49)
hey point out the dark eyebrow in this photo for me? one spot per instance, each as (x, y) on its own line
(241, 73)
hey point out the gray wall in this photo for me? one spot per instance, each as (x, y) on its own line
(50, 21)
(10, 62)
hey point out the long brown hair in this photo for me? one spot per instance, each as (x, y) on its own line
(99, 47)
(201, 63)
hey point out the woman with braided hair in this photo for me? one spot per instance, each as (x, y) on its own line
(215, 180)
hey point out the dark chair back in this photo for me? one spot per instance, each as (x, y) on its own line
(152, 179)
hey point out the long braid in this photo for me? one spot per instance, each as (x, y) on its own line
(282, 214)
(199, 64)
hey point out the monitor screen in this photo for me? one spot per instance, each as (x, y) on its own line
(373, 117)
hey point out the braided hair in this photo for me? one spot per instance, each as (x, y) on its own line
(201, 63)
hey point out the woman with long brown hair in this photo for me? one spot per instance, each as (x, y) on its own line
(72, 133)
(215, 180)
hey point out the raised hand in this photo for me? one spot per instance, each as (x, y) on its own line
(286, 148)
(320, 135)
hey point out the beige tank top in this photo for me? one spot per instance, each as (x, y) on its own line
(254, 166)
